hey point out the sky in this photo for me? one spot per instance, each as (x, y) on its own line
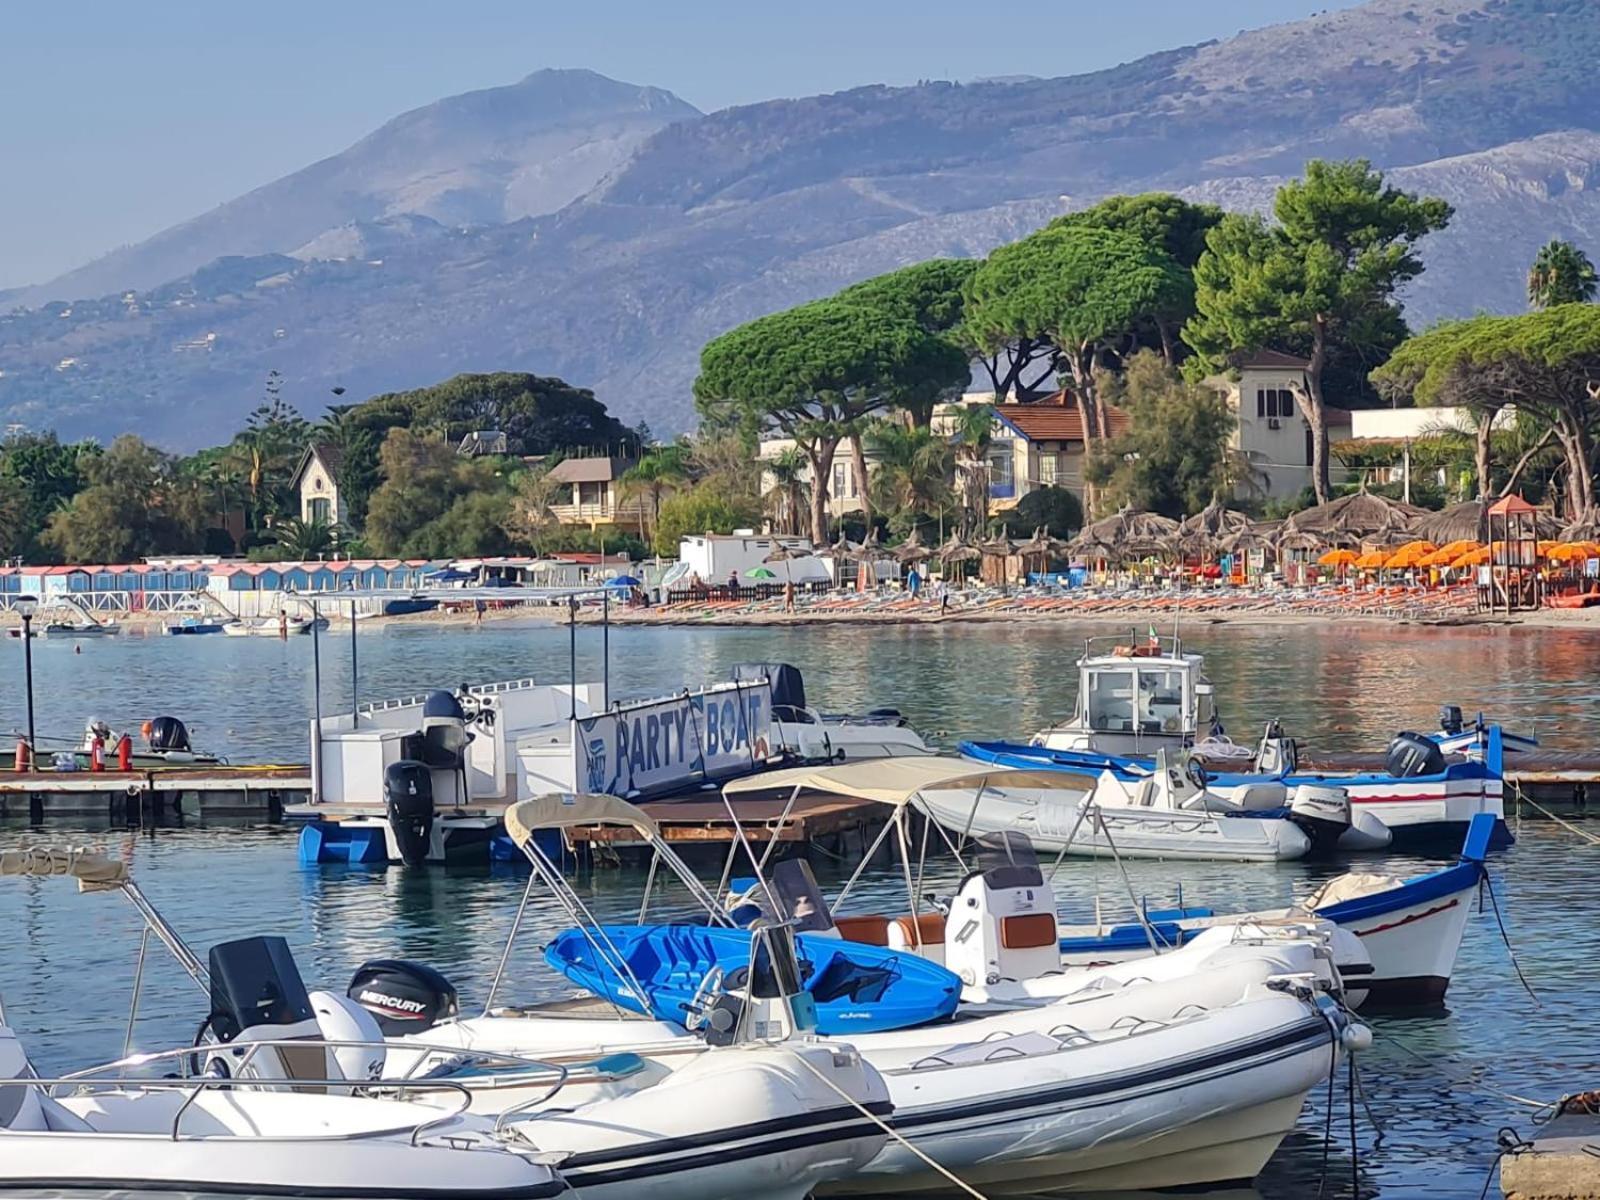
(122, 119)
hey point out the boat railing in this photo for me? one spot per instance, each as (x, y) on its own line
(552, 1076)
(476, 689)
(1153, 646)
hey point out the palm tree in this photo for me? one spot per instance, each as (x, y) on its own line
(305, 540)
(972, 433)
(787, 498)
(913, 469)
(1561, 274)
(660, 470)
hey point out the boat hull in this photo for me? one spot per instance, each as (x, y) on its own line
(1048, 818)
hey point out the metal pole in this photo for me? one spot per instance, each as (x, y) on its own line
(316, 706)
(572, 656)
(138, 986)
(605, 645)
(27, 667)
(355, 691)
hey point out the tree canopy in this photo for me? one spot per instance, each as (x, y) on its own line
(814, 371)
(1545, 364)
(1343, 242)
(1172, 458)
(1159, 219)
(130, 508)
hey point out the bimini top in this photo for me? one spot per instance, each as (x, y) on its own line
(94, 872)
(896, 781)
(565, 810)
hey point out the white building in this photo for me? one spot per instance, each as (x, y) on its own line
(316, 478)
(716, 556)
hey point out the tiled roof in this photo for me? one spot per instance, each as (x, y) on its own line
(1052, 422)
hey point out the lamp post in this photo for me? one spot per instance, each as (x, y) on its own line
(25, 607)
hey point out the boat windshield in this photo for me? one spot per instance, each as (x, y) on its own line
(1160, 700)
(1007, 860)
(797, 893)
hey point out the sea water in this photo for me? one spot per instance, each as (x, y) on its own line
(1439, 1085)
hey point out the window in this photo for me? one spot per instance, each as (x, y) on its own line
(838, 480)
(321, 510)
(1261, 402)
(1001, 482)
(1310, 447)
(1110, 702)
(1049, 467)
(1274, 402)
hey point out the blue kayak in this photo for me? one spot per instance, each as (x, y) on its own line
(857, 988)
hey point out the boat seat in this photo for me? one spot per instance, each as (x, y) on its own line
(924, 933)
(870, 930)
(1028, 931)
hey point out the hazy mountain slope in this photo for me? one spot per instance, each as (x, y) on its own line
(714, 221)
(480, 158)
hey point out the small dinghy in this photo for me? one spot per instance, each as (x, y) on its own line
(857, 988)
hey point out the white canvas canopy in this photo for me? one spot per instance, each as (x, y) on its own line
(566, 810)
(897, 781)
(94, 872)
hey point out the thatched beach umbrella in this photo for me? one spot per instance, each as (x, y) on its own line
(1351, 520)
(1204, 533)
(913, 549)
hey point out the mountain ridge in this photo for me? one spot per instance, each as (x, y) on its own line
(710, 221)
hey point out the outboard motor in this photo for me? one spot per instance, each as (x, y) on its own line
(1323, 811)
(1450, 722)
(402, 996)
(408, 801)
(1276, 754)
(169, 733)
(1411, 754)
(788, 688)
(257, 995)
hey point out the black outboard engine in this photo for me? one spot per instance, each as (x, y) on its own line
(169, 733)
(1450, 722)
(1411, 754)
(408, 800)
(788, 688)
(402, 996)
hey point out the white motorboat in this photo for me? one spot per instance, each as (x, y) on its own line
(757, 1119)
(285, 626)
(801, 732)
(285, 1132)
(1169, 816)
(1118, 1080)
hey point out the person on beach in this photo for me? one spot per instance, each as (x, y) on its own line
(913, 583)
(283, 624)
(944, 597)
(733, 581)
(788, 596)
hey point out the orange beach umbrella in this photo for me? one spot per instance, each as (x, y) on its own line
(1338, 558)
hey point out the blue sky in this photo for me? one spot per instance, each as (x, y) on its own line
(123, 118)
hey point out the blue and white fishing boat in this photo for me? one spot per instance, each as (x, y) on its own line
(1138, 698)
(1411, 929)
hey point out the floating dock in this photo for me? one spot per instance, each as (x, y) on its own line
(152, 794)
(1562, 1163)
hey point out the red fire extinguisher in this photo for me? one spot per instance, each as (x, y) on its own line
(125, 753)
(97, 754)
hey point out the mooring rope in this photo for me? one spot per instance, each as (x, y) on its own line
(1523, 798)
(893, 1133)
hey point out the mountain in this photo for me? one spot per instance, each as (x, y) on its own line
(711, 221)
(476, 159)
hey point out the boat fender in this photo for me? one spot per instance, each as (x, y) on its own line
(1356, 1037)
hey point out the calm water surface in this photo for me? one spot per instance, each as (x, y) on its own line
(1438, 1084)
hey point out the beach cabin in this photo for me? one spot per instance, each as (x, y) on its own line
(714, 557)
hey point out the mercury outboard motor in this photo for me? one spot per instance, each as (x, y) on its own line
(169, 733)
(1411, 754)
(1450, 722)
(404, 997)
(408, 801)
(1323, 811)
